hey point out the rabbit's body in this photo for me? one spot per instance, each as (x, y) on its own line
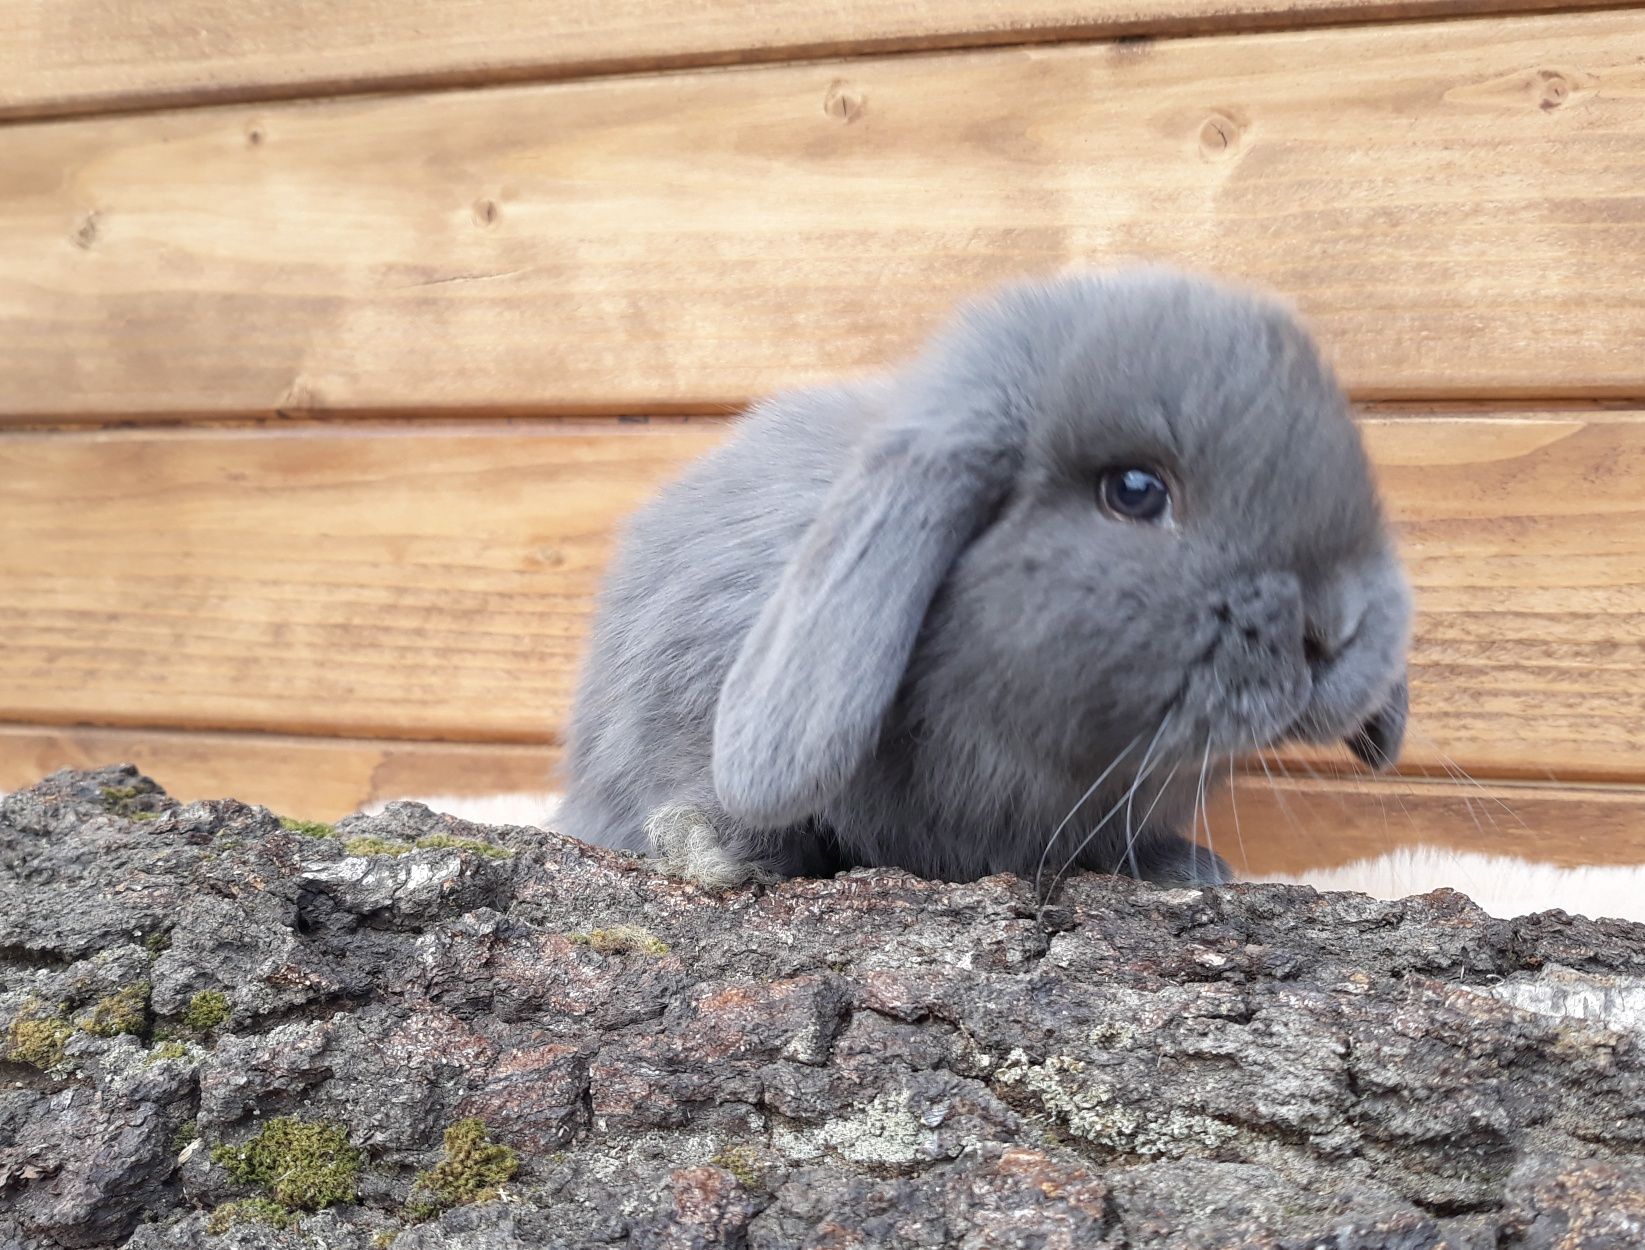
(899, 623)
(695, 566)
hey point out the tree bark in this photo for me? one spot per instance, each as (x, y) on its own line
(872, 1060)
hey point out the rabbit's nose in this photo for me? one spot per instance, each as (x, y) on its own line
(1264, 613)
(1325, 636)
(1316, 650)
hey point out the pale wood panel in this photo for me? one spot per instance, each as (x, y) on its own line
(1458, 206)
(306, 777)
(436, 583)
(74, 56)
(1292, 826)
(1525, 540)
(335, 580)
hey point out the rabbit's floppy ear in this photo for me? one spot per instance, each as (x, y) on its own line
(804, 702)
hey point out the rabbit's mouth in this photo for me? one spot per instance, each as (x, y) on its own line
(1263, 679)
(1235, 707)
(1374, 736)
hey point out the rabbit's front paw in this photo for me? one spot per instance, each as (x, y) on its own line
(1175, 861)
(686, 843)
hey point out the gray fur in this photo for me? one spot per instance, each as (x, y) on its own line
(887, 623)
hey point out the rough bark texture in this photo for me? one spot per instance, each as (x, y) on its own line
(872, 1060)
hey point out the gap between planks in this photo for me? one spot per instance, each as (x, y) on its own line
(690, 243)
(351, 65)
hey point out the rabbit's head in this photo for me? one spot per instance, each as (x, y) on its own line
(1104, 516)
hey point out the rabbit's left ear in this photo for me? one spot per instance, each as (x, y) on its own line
(804, 703)
(1377, 742)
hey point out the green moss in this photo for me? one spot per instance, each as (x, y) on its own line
(471, 1171)
(37, 1039)
(368, 844)
(168, 1050)
(123, 801)
(206, 1010)
(384, 1238)
(743, 1164)
(619, 939)
(251, 1211)
(158, 943)
(375, 846)
(186, 1132)
(308, 828)
(124, 1011)
(445, 842)
(304, 1164)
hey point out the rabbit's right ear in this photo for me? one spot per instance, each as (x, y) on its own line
(804, 703)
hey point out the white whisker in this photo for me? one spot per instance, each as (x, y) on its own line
(1275, 790)
(1130, 847)
(1462, 774)
(1142, 772)
(1039, 872)
(1233, 806)
(1199, 806)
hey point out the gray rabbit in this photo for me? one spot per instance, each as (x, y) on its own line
(1016, 603)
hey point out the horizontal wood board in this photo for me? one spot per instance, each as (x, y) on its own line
(435, 582)
(73, 56)
(1458, 206)
(309, 778)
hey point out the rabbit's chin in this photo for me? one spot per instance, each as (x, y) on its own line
(1374, 738)
(1263, 718)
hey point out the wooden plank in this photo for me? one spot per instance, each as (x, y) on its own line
(62, 57)
(360, 582)
(436, 582)
(1457, 206)
(306, 777)
(1525, 540)
(1293, 826)
(1296, 825)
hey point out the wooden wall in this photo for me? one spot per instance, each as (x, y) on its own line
(335, 337)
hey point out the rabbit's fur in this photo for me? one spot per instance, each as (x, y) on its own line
(889, 624)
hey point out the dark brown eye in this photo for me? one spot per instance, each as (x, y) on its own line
(1133, 493)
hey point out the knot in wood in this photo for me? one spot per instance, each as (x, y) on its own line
(1555, 89)
(843, 101)
(1218, 137)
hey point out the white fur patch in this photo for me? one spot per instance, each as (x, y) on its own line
(1501, 884)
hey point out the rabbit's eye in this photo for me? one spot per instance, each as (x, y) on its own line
(1133, 493)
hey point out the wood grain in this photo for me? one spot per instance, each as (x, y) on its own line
(435, 583)
(1525, 540)
(306, 777)
(1456, 205)
(73, 56)
(1293, 826)
(359, 582)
